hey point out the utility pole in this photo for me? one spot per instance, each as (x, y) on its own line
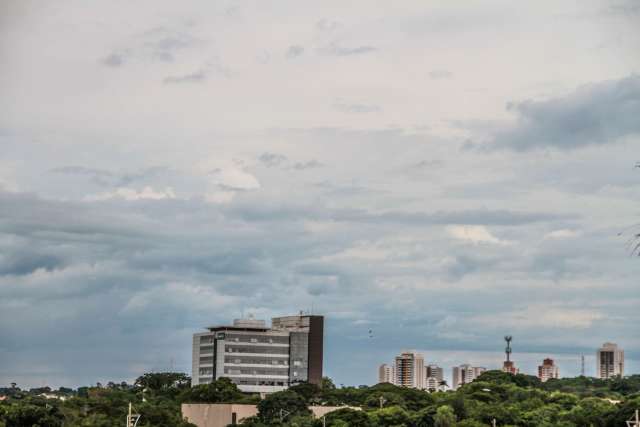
(132, 419)
(382, 401)
(582, 365)
(635, 421)
(283, 414)
(493, 422)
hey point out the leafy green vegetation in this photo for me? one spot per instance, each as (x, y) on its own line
(510, 400)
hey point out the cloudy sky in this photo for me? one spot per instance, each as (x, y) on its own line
(440, 172)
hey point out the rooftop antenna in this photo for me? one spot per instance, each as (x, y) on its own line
(582, 365)
(508, 339)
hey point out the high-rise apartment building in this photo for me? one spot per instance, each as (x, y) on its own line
(432, 384)
(548, 370)
(465, 374)
(410, 369)
(433, 377)
(434, 371)
(258, 358)
(386, 374)
(609, 361)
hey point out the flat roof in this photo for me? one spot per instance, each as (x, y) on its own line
(236, 328)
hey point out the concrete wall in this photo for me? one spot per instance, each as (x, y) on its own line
(221, 414)
(216, 415)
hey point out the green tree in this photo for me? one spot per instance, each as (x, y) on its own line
(391, 416)
(29, 415)
(445, 417)
(219, 391)
(351, 417)
(280, 406)
(308, 391)
(163, 380)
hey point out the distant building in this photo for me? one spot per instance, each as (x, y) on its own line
(258, 358)
(609, 361)
(386, 374)
(548, 370)
(432, 384)
(464, 374)
(225, 414)
(409, 370)
(510, 367)
(434, 375)
(434, 371)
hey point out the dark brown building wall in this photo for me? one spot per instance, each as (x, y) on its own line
(316, 347)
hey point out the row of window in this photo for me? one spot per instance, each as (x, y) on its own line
(255, 361)
(258, 339)
(253, 371)
(263, 350)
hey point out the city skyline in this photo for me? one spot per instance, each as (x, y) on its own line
(434, 174)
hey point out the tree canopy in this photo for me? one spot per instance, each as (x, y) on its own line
(510, 400)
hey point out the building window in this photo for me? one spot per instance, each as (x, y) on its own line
(296, 363)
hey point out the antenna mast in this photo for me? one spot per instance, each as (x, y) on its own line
(507, 350)
(582, 365)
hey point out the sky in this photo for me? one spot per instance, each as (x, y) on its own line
(442, 173)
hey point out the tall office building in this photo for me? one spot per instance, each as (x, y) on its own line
(609, 361)
(386, 374)
(410, 369)
(465, 374)
(258, 358)
(548, 370)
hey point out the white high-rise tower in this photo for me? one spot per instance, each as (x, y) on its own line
(609, 361)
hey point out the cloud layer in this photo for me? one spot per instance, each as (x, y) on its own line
(164, 172)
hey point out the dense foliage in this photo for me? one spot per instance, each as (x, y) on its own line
(512, 400)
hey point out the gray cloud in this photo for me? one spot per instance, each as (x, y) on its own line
(427, 164)
(395, 226)
(440, 74)
(311, 164)
(327, 25)
(272, 159)
(114, 60)
(294, 51)
(106, 178)
(195, 77)
(334, 49)
(594, 114)
(357, 108)
(160, 44)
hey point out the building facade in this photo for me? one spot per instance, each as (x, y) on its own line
(434, 375)
(386, 374)
(609, 361)
(548, 370)
(434, 371)
(261, 359)
(465, 374)
(409, 370)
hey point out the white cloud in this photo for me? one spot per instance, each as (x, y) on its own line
(538, 316)
(132, 194)
(562, 234)
(475, 234)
